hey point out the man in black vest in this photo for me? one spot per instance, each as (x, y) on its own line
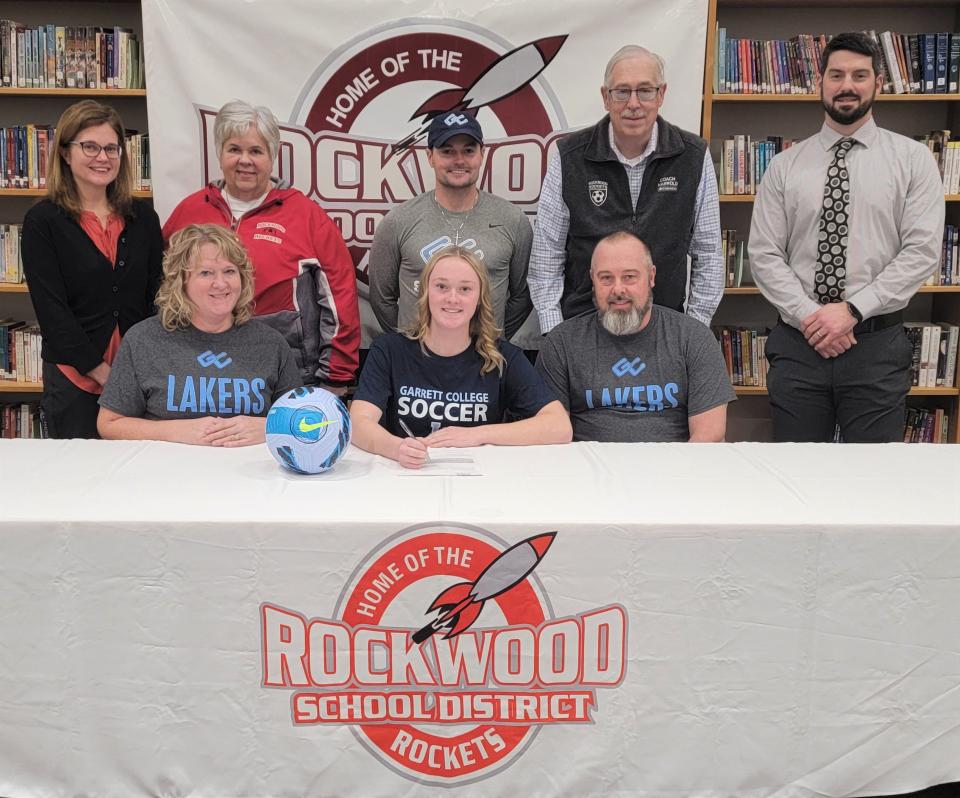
(631, 171)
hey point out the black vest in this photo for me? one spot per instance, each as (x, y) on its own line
(597, 194)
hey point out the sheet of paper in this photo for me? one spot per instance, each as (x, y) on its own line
(445, 466)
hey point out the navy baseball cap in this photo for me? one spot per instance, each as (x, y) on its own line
(445, 126)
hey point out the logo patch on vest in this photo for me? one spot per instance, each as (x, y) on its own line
(598, 192)
(668, 184)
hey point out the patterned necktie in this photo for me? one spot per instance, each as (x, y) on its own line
(831, 274)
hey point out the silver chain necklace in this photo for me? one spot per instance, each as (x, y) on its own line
(456, 233)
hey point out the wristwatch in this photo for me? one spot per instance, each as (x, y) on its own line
(854, 312)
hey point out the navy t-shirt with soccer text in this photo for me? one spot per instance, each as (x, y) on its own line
(429, 391)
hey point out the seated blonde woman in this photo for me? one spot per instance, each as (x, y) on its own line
(201, 371)
(450, 381)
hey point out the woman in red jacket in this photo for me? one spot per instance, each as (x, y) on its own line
(304, 283)
(92, 258)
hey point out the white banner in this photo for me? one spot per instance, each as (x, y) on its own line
(643, 620)
(355, 88)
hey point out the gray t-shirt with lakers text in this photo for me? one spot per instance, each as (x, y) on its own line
(160, 374)
(496, 231)
(639, 387)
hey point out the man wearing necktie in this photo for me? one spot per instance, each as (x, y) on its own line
(847, 225)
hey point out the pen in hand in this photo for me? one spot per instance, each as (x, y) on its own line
(409, 433)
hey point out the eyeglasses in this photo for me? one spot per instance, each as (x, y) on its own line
(644, 93)
(91, 149)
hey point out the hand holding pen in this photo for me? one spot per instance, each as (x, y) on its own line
(413, 451)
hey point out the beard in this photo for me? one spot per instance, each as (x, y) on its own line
(855, 114)
(625, 322)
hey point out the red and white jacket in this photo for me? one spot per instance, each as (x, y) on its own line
(304, 281)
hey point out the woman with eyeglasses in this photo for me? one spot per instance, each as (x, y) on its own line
(92, 257)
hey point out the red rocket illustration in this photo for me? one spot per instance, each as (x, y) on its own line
(505, 76)
(459, 606)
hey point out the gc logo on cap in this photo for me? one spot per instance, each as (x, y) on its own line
(454, 123)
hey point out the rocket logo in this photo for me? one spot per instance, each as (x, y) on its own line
(356, 137)
(503, 77)
(459, 606)
(462, 697)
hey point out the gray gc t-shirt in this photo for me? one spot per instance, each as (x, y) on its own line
(639, 387)
(162, 375)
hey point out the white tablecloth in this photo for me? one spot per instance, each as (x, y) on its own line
(789, 611)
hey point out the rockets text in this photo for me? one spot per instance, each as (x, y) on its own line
(459, 707)
(587, 649)
(447, 758)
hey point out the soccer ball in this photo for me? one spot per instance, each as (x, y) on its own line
(307, 430)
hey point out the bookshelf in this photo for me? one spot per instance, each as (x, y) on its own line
(43, 106)
(9, 387)
(18, 92)
(39, 192)
(798, 116)
(749, 198)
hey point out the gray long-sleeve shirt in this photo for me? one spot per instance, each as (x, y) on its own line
(497, 232)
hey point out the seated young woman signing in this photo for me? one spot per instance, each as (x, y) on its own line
(449, 379)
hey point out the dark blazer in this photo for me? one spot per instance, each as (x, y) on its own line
(78, 295)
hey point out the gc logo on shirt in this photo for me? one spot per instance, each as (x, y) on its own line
(649, 398)
(222, 396)
(631, 367)
(207, 358)
(469, 244)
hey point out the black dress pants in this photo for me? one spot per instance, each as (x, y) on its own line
(67, 411)
(864, 389)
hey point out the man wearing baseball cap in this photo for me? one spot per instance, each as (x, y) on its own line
(456, 212)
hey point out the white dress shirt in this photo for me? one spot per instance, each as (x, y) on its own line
(895, 222)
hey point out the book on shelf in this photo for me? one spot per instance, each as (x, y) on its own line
(21, 420)
(25, 151)
(926, 426)
(934, 354)
(946, 272)
(69, 57)
(11, 262)
(911, 63)
(20, 351)
(744, 161)
(138, 154)
(734, 250)
(756, 66)
(744, 352)
(945, 149)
